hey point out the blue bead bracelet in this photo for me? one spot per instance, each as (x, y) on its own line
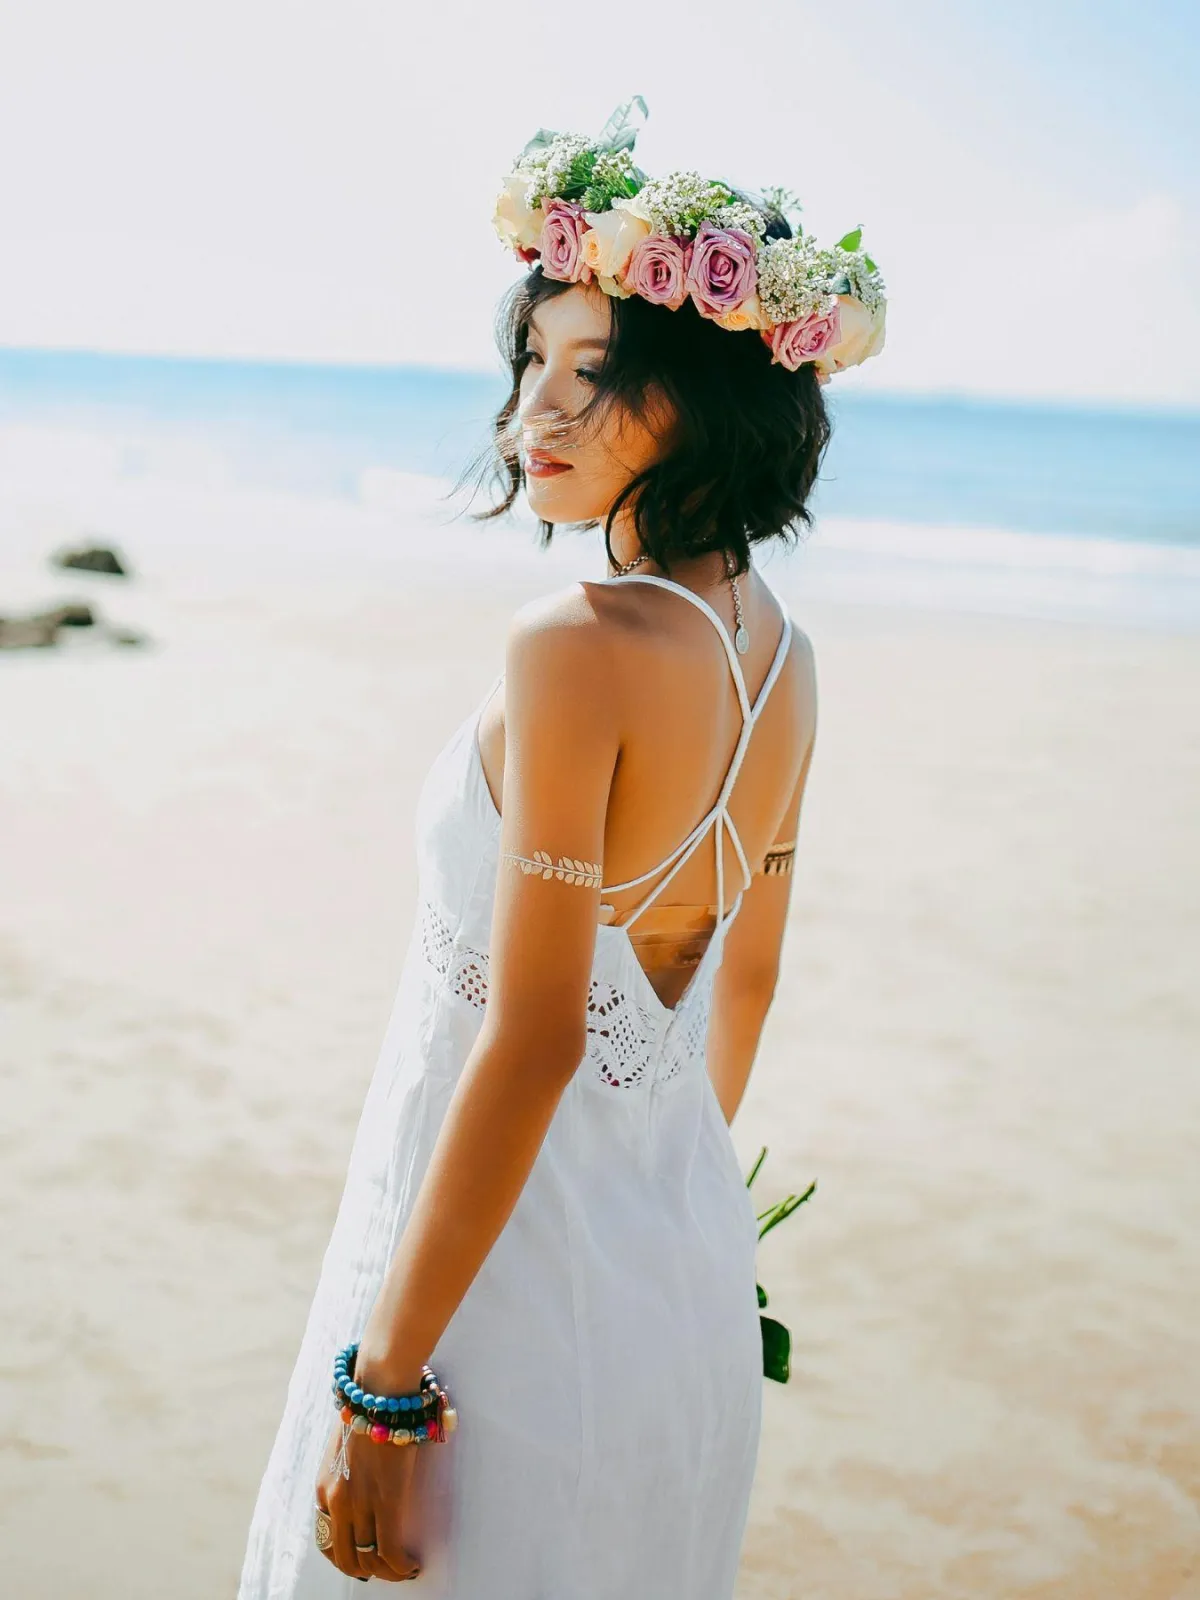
(392, 1419)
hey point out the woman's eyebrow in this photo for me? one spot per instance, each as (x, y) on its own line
(592, 343)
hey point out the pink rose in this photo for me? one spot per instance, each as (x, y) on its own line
(658, 270)
(723, 272)
(562, 242)
(794, 343)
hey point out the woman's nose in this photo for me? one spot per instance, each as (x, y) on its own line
(542, 400)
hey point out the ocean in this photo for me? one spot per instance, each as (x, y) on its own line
(1035, 509)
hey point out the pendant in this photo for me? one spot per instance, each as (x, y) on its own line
(741, 640)
(341, 1461)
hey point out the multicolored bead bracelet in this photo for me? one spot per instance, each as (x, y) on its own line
(421, 1418)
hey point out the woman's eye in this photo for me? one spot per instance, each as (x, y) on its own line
(530, 358)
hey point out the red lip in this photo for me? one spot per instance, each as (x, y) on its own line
(540, 465)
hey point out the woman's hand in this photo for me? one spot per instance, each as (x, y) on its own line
(368, 1507)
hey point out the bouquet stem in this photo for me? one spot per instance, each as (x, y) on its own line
(777, 1341)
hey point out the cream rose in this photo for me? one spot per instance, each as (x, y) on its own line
(610, 240)
(862, 335)
(879, 324)
(518, 224)
(749, 314)
(614, 287)
(634, 206)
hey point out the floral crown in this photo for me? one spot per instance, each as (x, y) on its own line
(584, 210)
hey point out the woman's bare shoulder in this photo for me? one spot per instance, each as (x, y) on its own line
(565, 643)
(582, 621)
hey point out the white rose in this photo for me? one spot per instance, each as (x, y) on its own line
(610, 239)
(749, 314)
(518, 224)
(862, 335)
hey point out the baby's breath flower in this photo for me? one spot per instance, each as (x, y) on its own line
(679, 202)
(737, 214)
(784, 203)
(613, 167)
(853, 272)
(565, 164)
(614, 177)
(793, 279)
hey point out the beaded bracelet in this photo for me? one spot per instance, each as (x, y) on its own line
(419, 1418)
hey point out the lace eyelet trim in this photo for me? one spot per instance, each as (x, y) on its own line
(621, 1033)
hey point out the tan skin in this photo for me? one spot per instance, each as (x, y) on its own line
(615, 713)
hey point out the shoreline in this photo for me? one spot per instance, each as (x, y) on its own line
(207, 539)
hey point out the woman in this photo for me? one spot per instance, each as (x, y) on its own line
(544, 1212)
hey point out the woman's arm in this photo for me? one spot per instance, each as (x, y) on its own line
(561, 745)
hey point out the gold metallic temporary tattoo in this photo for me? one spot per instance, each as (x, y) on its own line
(585, 874)
(779, 858)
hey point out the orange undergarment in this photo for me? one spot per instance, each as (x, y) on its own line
(666, 937)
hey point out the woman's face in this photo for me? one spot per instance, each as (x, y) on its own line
(575, 474)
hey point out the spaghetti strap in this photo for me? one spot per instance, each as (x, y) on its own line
(719, 812)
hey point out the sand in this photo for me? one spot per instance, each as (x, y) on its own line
(984, 1049)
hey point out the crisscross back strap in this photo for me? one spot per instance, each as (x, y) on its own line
(717, 817)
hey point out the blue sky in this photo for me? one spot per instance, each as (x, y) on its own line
(249, 178)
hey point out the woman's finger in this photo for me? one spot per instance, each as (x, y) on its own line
(343, 1554)
(376, 1567)
(390, 1518)
(366, 1548)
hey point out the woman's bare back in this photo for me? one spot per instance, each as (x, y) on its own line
(683, 719)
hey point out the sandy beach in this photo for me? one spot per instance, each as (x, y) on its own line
(986, 1051)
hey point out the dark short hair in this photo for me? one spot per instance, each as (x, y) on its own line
(748, 441)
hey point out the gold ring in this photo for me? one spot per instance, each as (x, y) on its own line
(324, 1529)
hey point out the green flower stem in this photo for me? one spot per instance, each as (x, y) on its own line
(762, 1156)
(784, 1209)
(776, 1340)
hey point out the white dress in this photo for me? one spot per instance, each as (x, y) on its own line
(606, 1363)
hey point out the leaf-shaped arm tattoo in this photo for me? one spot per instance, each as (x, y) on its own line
(779, 857)
(584, 874)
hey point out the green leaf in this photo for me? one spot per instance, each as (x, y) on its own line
(851, 241)
(777, 1350)
(541, 140)
(621, 129)
(871, 267)
(762, 1296)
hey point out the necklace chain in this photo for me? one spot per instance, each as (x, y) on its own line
(741, 638)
